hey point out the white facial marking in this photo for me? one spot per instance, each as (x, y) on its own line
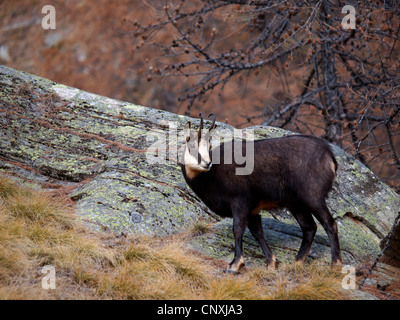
(197, 154)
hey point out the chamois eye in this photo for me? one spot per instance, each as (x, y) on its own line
(192, 146)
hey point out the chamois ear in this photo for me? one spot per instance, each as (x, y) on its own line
(187, 131)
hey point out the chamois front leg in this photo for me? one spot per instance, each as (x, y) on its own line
(239, 226)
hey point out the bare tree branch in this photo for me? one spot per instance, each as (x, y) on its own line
(350, 92)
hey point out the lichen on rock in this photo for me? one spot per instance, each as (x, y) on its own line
(54, 136)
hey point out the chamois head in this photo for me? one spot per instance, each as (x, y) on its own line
(196, 156)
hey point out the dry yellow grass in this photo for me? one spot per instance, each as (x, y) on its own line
(313, 281)
(38, 229)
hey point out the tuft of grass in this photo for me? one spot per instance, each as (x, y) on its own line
(7, 189)
(153, 269)
(200, 227)
(231, 287)
(311, 281)
(38, 229)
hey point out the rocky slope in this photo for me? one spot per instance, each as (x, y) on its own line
(119, 164)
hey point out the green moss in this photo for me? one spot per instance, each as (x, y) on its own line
(86, 135)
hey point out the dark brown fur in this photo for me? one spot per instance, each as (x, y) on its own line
(294, 172)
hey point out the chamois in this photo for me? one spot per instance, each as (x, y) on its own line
(294, 172)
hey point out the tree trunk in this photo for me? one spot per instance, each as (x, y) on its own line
(330, 97)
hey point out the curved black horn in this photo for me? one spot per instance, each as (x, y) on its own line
(213, 122)
(201, 125)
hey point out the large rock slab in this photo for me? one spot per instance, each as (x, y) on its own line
(119, 161)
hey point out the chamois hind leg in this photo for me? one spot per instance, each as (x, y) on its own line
(256, 230)
(323, 215)
(308, 227)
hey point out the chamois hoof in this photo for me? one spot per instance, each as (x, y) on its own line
(299, 262)
(234, 270)
(337, 264)
(235, 265)
(273, 265)
(231, 271)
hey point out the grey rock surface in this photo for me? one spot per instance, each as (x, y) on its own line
(112, 157)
